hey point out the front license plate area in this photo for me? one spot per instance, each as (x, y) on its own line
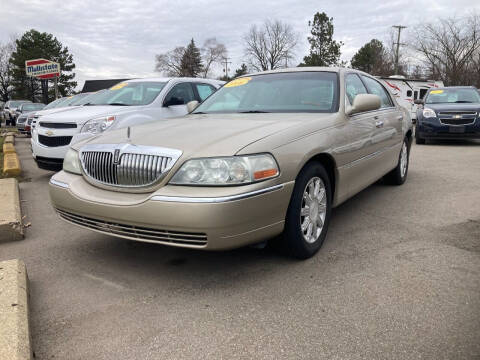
(457, 129)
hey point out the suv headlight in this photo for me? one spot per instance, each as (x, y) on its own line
(98, 125)
(429, 113)
(71, 162)
(234, 170)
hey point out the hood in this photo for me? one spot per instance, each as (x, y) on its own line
(454, 107)
(54, 110)
(81, 114)
(209, 134)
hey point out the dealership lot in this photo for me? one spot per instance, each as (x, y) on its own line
(398, 277)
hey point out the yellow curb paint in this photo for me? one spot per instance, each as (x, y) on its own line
(8, 148)
(10, 139)
(11, 165)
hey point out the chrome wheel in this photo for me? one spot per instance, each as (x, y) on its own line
(403, 160)
(313, 210)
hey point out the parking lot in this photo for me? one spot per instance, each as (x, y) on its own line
(397, 278)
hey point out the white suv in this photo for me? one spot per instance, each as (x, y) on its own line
(126, 104)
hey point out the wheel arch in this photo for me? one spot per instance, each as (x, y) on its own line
(330, 165)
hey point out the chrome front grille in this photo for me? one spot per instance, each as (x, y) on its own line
(136, 232)
(457, 117)
(126, 165)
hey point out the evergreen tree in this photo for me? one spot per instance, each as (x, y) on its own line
(191, 64)
(242, 70)
(372, 58)
(34, 45)
(324, 51)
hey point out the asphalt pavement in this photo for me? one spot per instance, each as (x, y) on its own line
(397, 278)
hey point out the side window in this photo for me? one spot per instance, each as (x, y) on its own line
(180, 94)
(415, 95)
(409, 93)
(204, 90)
(353, 87)
(374, 87)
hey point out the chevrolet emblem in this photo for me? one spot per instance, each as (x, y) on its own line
(457, 116)
(49, 132)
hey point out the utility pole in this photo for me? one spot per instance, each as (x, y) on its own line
(225, 63)
(399, 29)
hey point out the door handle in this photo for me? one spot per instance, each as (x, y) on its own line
(379, 123)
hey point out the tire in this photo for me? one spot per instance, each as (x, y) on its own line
(418, 140)
(398, 175)
(295, 239)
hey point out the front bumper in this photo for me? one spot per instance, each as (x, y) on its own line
(433, 129)
(214, 219)
(48, 158)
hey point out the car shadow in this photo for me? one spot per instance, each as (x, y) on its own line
(454, 142)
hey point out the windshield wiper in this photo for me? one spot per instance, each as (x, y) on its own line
(199, 112)
(89, 104)
(463, 101)
(253, 112)
(119, 104)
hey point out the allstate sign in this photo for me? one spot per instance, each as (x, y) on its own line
(41, 68)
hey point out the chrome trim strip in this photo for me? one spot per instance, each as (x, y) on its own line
(59, 183)
(367, 157)
(220, 199)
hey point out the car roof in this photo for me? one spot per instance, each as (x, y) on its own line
(303, 69)
(166, 79)
(454, 87)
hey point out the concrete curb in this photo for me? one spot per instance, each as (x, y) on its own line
(10, 139)
(15, 342)
(11, 164)
(11, 227)
(8, 148)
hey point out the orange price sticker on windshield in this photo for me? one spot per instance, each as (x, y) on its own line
(118, 86)
(238, 82)
(436, 92)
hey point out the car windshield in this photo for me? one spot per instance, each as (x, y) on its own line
(70, 101)
(32, 107)
(452, 95)
(129, 94)
(55, 103)
(16, 104)
(278, 92)
(85, 99)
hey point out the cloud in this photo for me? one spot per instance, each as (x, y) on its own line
(117, 39)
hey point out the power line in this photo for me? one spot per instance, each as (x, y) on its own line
(399, 28)
(225, 63)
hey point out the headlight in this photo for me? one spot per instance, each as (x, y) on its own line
(98, 125)
(429, 113)
(233, 170)
(71, 163)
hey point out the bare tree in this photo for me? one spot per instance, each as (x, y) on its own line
(170, 62)
(270, 46)
(449, 48)
(212, 53)
(6, 86)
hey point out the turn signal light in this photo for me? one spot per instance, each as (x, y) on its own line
(258, 175)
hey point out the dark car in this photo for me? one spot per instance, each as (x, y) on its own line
(23, 111)
(448, 113)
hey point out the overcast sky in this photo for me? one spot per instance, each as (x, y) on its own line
(118, 38)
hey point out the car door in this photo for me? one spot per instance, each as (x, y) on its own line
(175, 102)
(359, 149)
(388, 134)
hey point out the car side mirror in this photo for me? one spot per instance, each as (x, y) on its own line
(192, 105)
(419, 102)
(6, 107)
(364, 102)
(174, 101)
